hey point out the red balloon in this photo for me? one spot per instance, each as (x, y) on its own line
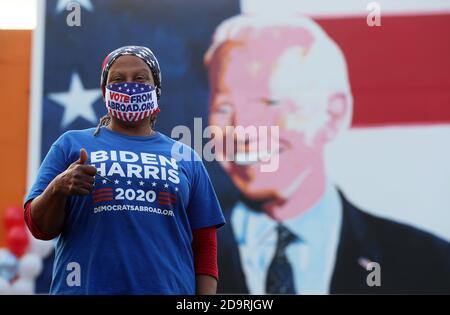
(13, 217)
(17, 240)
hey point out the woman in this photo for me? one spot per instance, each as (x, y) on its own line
(132, 216)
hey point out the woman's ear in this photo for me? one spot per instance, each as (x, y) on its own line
(339, 110)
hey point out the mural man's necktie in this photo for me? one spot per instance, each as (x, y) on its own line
(280, 277)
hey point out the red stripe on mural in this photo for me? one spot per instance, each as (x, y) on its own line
(399, 72)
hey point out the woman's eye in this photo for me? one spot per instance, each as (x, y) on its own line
(141, 78)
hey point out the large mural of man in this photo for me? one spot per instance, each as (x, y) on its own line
(293, 231)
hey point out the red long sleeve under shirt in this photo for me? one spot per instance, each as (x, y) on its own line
(204, 245)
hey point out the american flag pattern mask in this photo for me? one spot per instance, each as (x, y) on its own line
(131, 101)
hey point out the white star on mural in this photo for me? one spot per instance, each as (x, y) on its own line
(77, 102)
(116, 182)
(165, 185)
(176, 188)
(62, 5)
(153, 184)
(141, 183)
(104, 181)
(128, 182)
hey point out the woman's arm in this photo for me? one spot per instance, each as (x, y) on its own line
(204, 246)
(47, 210)
(206, 285)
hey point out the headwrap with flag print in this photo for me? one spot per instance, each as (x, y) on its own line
(139, 51)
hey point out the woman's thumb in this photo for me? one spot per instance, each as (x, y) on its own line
(83, 157)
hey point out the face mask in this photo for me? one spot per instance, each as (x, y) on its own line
(131, 101)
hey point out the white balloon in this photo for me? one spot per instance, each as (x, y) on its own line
(41, 248)
(30, 266)
(23, 287)
(8, 264)
(5, 287)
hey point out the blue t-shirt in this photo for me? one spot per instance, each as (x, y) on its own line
(133, 233)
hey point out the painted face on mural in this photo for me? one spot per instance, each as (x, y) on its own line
(279, 77)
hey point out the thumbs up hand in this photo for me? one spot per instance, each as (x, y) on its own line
(77, 179)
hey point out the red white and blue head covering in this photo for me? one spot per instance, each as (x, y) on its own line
(139, 51)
